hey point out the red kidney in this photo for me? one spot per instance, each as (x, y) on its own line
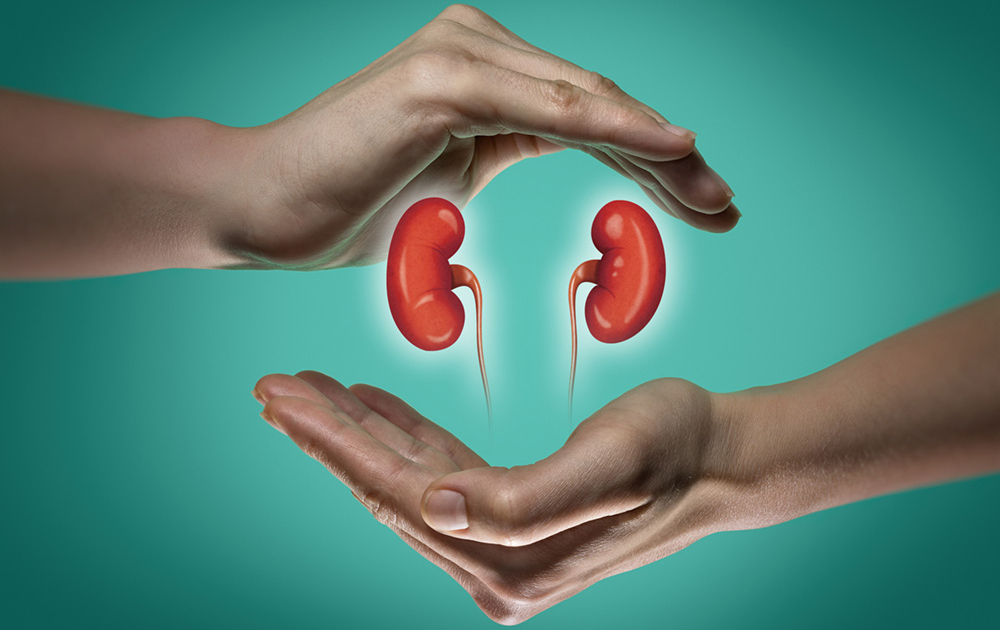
(629, 276)
(419, 279)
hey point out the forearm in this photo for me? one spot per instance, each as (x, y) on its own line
(919, 408)
(86, 191)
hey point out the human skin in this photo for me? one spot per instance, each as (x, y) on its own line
(662, 466)
(88, 192)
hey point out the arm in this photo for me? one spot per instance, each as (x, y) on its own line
(919, 408)
(85, 191)
(92, 192)
(662, 466)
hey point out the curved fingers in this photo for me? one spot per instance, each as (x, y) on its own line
(664, 199)
(326, 392)
(716, 223)
(408, 419)
(691, 180)
(539, 62)
(598, 473)
(496, 607)
(559, 494)
(372, 470)
(481, 37)
(490, 100)
(275, 385)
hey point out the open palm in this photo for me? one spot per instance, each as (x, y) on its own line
(622, 492)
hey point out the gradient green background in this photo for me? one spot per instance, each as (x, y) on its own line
(139, 488)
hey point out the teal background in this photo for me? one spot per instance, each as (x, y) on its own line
(139, 488)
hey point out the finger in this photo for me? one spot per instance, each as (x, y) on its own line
(603, 156)
(495, 607)
(336, 393)
(274, 385)
(502, 47)
(654, 189)
(641, 176)
(340, 398)
(556, 110)
(514, 147)
(388, 485)
(285, 385)
(398, 412)
(596, 474)
(659, 203)
(691, 181)
(373, 471)
(377, 477)
(494, 154)
(694, 184)
(716, 223)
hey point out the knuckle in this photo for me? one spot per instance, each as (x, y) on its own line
(428, 79)
(440, 29)
(380, 508)
(463, 14)
(503, 613)
(519, 588)
(416, 450)
(391, 474)
(619, 119)
(505, 515)
(600, 84)
(312, 449)
(493, 605)
(563, 96)
(430, 122)
(431, 64)
(645, 178)
(626, 441)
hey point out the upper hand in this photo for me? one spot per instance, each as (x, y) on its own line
(635, 482)
(441, 115)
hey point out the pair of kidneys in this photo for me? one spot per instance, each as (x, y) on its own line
(629, 278)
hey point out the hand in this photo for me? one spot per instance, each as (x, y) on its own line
(441, 115)
(634, 483)
(663, 465)
(91, 192)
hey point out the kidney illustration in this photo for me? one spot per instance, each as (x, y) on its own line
(420, 280)
(629, 276)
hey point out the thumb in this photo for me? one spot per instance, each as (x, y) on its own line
(591, 477)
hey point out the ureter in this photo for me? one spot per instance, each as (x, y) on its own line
(586, 272)
(462, 276)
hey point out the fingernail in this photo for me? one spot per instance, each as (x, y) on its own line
(271, 421)
(687, 134)
(723, 185)
(445, 511)
(258, 397)
(736, 210)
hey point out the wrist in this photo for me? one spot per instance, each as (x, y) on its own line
(756, 471)
(712, 478)
(216, 182)
(267, 216)
(781, 455)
